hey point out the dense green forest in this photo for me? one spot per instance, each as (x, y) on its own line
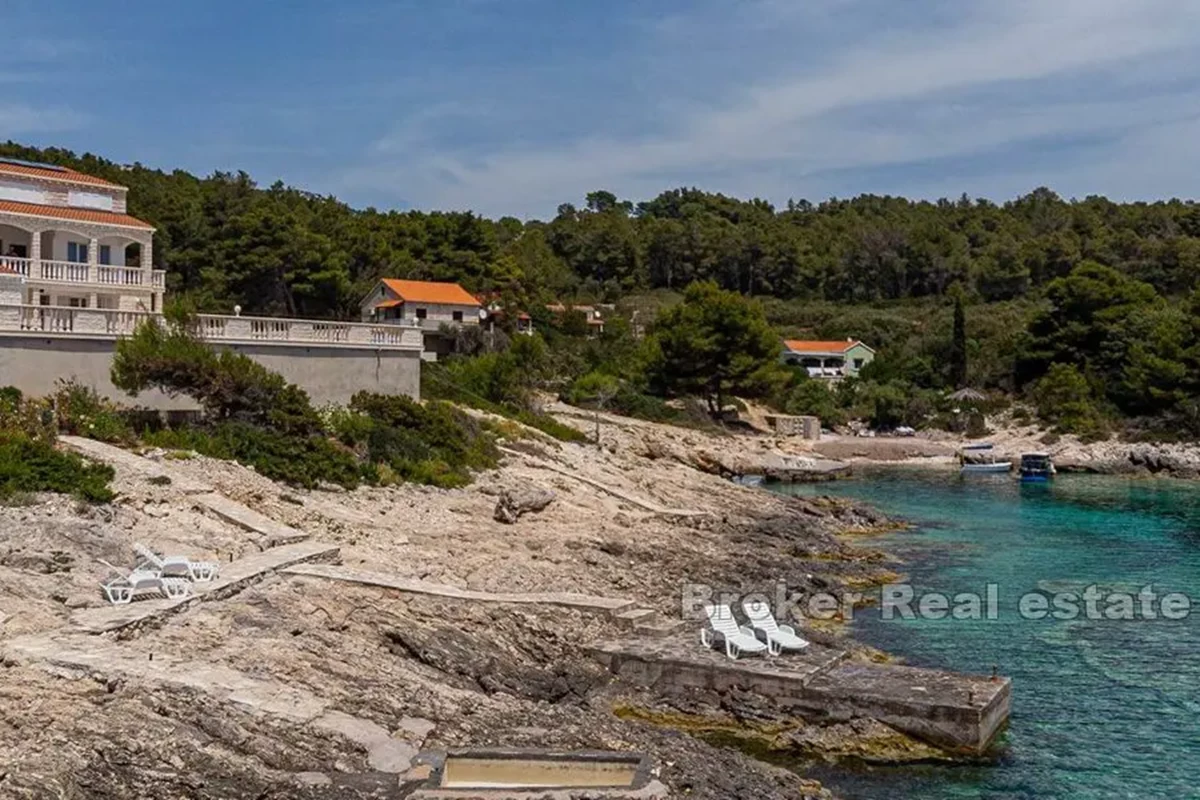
(1094, 294)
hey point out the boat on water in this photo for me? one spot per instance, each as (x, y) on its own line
(981, 459)
(1036, 467)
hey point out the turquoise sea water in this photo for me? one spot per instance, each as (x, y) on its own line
(1101, 708)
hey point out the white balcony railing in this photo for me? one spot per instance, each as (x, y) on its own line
(211, 327)
(74, 272)
(63, 272)
(17, 265)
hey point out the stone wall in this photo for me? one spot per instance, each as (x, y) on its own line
(329, 374)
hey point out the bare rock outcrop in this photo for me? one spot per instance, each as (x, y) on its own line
(512, 505)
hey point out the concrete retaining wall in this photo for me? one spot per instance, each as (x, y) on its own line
(329, 374)
(960, 713)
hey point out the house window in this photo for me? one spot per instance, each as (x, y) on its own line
(858, 363)
(105, 254)
(77, 302)
(457, 315)
(421, 313)
(77, 253)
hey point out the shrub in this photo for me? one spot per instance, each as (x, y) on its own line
(301, 460)
(475, 382)
(434, 443)
(227, 385)
(80, 411)
(811, 397)
(1064, 399)
(32, 465)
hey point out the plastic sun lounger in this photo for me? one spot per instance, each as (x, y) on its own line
(178, 566)
(722, 626)
(122, 589)
(778, 637)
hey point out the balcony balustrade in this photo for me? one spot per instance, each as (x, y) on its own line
(66, 272)
(210, 327)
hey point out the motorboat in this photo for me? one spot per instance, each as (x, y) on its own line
(1036, 467)
(981, 458)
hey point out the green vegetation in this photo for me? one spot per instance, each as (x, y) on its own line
(712, 344)
(255, 417)
(950, 293)
(29, 461)
(33, 465)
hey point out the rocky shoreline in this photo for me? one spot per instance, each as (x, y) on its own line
(639, 517)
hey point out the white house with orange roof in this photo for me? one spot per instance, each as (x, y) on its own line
(424, 304)
(69, 236)
(833, 359)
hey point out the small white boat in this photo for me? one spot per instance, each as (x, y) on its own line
(981, 458)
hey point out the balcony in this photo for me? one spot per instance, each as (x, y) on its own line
(101, 322)
(70, 272)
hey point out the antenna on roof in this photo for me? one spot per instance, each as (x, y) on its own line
(35, 164)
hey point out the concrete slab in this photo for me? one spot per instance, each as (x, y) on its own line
(131, 462)
(235, 576)
(274, 533)
(607, 605)
(961, 713)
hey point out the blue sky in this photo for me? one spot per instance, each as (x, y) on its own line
(514, 106)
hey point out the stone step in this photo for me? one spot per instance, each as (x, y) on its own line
(636, 616)
(274, 533)
(659, 630)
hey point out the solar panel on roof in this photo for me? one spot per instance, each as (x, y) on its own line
(35, 164)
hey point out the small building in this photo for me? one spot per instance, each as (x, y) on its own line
(828, 359)
(788, 425)
(424, 304)
(591, 314)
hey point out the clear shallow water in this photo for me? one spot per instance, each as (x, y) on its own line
(1101, 708)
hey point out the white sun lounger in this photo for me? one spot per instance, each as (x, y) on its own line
(722, 626)
(121, 590)
(778, 637)
(178, 566)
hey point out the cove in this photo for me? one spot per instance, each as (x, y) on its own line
(1102, 708)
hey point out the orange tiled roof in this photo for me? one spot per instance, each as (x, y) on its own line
(806, 346)
(55, 174)
(77, 214)
(389, 304)
(431, 292)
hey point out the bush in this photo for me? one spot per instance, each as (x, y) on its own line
(300, 460)
(434, 443)
(1065, 400)
(809, 397)
(478, 382)
(32, 418)
(32, 465)
(80, 411)
(227, 385)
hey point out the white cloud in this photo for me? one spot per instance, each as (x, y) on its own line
(888, 100)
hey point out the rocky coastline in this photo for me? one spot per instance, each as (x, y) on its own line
(640, 516)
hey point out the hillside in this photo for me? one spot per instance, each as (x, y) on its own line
(1093, 293)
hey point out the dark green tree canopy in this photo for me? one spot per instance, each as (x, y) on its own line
(713, 342)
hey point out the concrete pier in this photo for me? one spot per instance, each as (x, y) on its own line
(959, 713)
